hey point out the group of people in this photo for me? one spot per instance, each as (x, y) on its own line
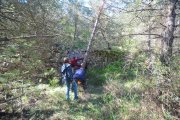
(72, 76)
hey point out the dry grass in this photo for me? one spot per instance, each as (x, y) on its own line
(135, 99)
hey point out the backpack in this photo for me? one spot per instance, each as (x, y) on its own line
(64, 76)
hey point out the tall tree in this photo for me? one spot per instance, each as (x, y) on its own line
(93, 33)
(166, 54)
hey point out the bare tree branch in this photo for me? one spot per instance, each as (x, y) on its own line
(9, 18)
(142, 34)
(33, 36)
(13, 98)
(140, 11)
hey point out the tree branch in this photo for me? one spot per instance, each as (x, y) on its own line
(33, 36)
(10, 18)
(142, 34)
(176, 36)
(13, 98)
(142, 10)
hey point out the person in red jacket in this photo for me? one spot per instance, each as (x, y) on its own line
(73, 63)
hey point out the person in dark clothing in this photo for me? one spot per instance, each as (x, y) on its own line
(67, 77)
(79, 76)
(73, 63)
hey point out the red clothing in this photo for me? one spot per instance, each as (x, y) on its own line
(73, 62)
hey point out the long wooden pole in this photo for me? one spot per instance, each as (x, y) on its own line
(92, 35)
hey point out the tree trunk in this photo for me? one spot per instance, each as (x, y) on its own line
(108, 45)
(0, 5)
(149, 37)
(92, 35)
(75, 22)
(166, 53)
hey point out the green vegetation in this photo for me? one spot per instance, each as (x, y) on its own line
(112, 72)
(133, 65)
(113, 93)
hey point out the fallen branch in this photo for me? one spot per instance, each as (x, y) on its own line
(142, 34)
(13, 98)
(33, 36)
(142, 10)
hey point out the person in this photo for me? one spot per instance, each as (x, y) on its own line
(79, 76)
(73, 63)
(67, 77)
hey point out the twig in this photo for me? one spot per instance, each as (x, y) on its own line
(140, 12)
(22, 91)
(16, 88)
(12, 99)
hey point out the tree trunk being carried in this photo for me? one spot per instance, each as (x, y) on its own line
(166, 52)
(92, 35)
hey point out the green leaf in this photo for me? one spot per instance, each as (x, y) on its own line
(116, 76)
(133, 100)
(12, 6)
(26, 72)
(63, 21)
(12, 50)
(31, 43)
(2, 79)
(21, 48)
(165, 114)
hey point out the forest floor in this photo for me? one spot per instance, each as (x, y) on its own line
(47, 102)
(108, 101)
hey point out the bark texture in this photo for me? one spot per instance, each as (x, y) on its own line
(166, 53)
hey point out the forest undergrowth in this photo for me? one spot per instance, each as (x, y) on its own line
(124, 90)
(132, 49)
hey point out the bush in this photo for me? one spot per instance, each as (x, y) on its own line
(114, 71)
